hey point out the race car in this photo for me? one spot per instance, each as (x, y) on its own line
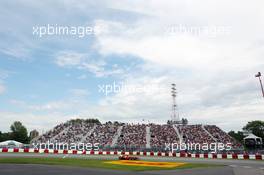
(127, 157)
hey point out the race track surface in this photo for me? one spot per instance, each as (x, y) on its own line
(233, 167)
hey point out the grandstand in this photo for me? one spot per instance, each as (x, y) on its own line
(123, 136)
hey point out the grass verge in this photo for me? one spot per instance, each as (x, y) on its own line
(90, 163)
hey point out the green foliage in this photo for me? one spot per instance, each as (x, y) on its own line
(93, 121)
(78, 121)
(4, 136)
(184, 121)
(19, 132)
(92, 163)
(237, 135)
(256, 127)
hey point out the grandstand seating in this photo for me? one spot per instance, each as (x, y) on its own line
(221, 136)
(134, 135)
(161, 134)
(194, 134)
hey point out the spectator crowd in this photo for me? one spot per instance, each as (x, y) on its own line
(133, 135)
(123, 135)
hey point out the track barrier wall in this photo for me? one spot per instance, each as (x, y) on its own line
(149, 154)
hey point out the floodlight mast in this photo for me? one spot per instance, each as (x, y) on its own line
(174, 116)
(260, 81)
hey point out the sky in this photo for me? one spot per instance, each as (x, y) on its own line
(120, 58)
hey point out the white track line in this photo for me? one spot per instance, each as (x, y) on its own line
(65, 156)
(247, 167)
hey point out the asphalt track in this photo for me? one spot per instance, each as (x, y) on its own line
(233, 167)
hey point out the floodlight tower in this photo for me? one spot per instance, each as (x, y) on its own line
(175, 115)
(261, 85)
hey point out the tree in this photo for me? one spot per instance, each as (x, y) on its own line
(256, 127)
(92, 120)
(238, 136)
(19, 132)
(184, 121)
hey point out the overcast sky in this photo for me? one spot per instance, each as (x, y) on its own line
(211, 49)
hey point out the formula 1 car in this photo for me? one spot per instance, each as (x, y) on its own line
(127, 157)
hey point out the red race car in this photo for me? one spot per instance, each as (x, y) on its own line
(127, 157)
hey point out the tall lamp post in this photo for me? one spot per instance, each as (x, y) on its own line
(175, 115)
(261, 85)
